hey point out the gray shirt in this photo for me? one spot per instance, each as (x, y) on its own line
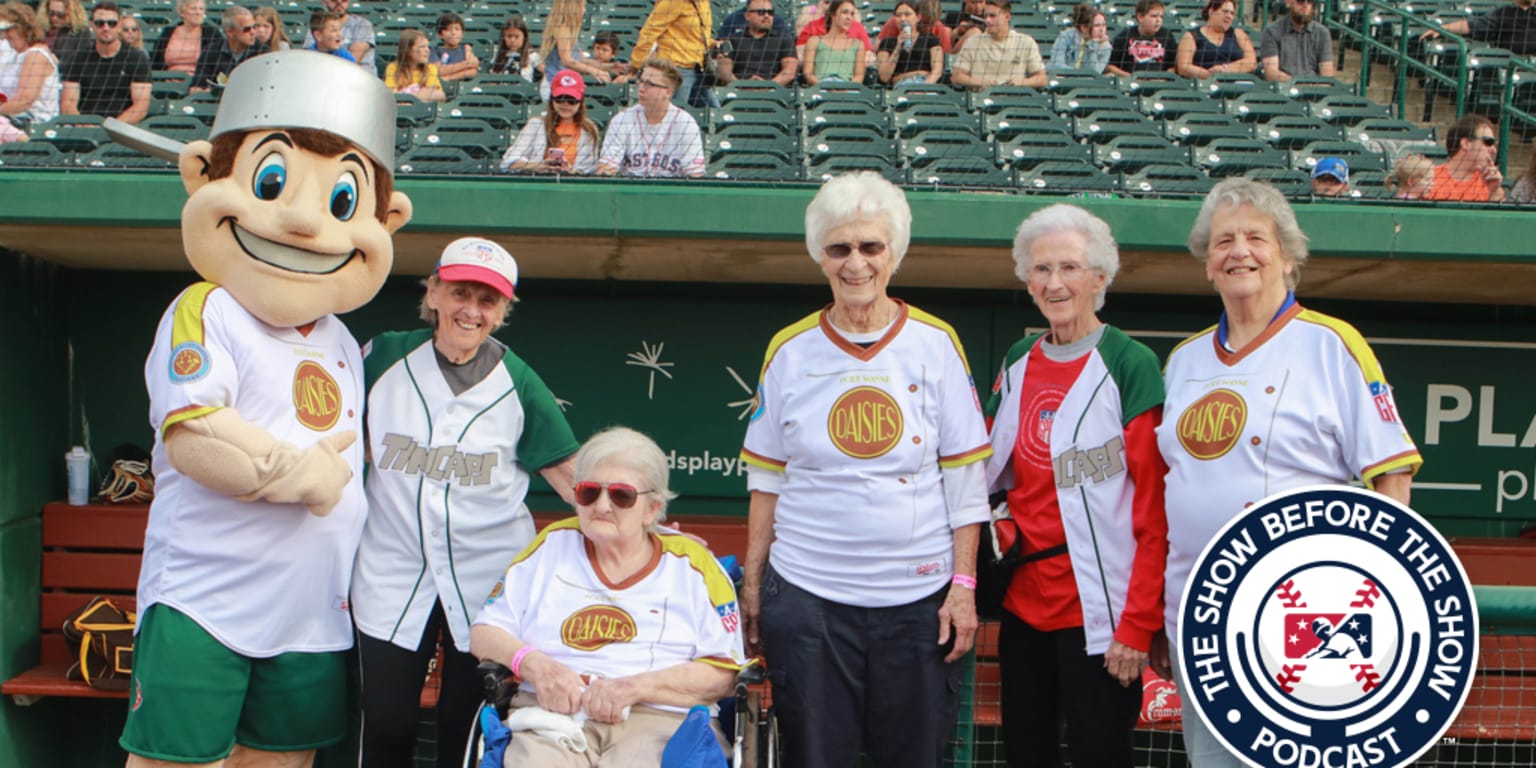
(1301, 51)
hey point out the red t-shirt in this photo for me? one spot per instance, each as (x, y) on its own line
(818, 27)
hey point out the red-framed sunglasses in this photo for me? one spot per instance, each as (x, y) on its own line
(623, 495)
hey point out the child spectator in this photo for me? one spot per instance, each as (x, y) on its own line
(325, 27)
(1413, 177)
(455, 58)
(604, 48)
(269, 29)
(412, 71)
(564, 140)
(1330, 177)
(514, 55)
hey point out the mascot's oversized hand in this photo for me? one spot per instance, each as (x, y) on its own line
(232, 456)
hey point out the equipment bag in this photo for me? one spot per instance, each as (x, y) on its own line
(100, 635)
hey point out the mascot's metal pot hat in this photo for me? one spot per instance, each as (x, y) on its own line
(293, 89)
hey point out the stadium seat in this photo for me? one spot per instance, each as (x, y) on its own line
(413, 112)
(1067, 80)
(1238, 157)
(1128, 154)
(118, 157)
(1105, 124)
(169, 86)
(1230, 85)
(508, 117)
(1198, 129)
(477, 138)
(757, 89)
(824, 168)
(917, 116)
(203, 106)
(753, 112)
(32, 154)
(440, 160)
(1371, 185)
(1389, 129)
(1028, 150)
(608, 94)
(1291, 183)
(1171, 105)
(1067, 178)
(181, 128)
(1293, 132)
(600, 114)
(1360, 158)
(1148, 83)
(923, 147)
(1312, 88)
(1008, 122)
(841, 91)
(72, 133)
(858, 113)
(1000, 96)
(925, 93)
(1165, 180)
(515, 91)
(850, 141)
(752, 166)
(1262, 106)
(962, 172)
(1348, 110)
(735, 139)
(1081, 101)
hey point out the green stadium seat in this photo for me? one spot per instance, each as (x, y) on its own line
(1290, 182)
(1371, 185)
(752, 166)
(72, 133)
(830, 114)
(1001, 96)
(1063, 178)
(1147, 83)
(1312, 88)
(1360, 158)
(118, 157)
(1262, 106)
(836, 91)
(1128, 154)
(824, 168)
(918, 116)
(1198, 129)
(924, 93)
(32, 154)
(1293, 132)
(756, 89)
(1230, 85)
(847, 141)
(1008, 122)
(203, 106)
(477, 138)
(927, 145)
(515, 91)
(1067, 80)
(169, 86)
(1389, 129)
(962, 172)
(1168, 180)
(1171, 105)
(181, 128)
(735, 139)
(1028, 150)
(610, 94)
(753, 112)
(1348, 110)
(601, 114)
(1105, 124)
(1081, 101)
(440, 160)
(1237, 157)
(508, 118)
(413, 112)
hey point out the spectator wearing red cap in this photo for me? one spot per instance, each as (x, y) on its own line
(564, 140)
(457, 426)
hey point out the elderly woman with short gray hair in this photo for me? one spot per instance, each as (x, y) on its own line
(609, 614)
(1300, 396)
(1074, 447)
(865, 459)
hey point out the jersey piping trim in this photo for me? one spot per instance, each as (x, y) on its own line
(421, 534)
(954, 338)
(186, 413)
(1233, 358)
(188, 323)
(1353, 341)
(453, 570)
(539, 538)
(783, 336)
(762, 462)
(703, 563)
(1208, 330)
(635, 577)
(1409, 460)
(720, 662)
(862, 354)
(976, 454)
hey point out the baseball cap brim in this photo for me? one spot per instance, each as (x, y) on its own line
(475, 273)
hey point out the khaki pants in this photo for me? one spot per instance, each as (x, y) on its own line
(634, 743)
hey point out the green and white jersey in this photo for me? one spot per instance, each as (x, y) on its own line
(446, 485)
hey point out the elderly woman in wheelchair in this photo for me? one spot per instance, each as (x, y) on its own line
(614, 626)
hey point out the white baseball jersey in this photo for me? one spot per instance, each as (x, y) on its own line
(1303, 404)
(863, 438)
(678, 609)
(672, 149)
(446, 486)
(261, 578)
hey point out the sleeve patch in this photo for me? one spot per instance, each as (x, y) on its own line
(189, 362)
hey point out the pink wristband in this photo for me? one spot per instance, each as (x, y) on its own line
(517, 660)
(969, 582)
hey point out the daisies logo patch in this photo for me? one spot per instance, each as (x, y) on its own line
(1328, 627)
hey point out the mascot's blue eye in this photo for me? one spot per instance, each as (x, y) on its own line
(271, 175)
(344, 197)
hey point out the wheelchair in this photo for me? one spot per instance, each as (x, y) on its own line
(748, 725)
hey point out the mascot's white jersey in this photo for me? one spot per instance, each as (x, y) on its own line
(261, 578)
(1305, 403)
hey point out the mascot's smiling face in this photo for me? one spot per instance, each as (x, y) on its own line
(295, 224)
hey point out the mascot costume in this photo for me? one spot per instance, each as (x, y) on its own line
(256, 398)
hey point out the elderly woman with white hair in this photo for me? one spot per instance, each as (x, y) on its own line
(1080, 614)
(1271, 398)
(865, 460)
(611, 615)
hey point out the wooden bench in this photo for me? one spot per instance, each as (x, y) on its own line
(97, 549)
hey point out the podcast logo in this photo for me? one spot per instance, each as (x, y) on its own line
(1327, 627)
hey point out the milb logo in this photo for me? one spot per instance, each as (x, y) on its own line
(1327, 627)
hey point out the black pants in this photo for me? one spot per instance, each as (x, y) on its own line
(1047, 679)
(392, 682)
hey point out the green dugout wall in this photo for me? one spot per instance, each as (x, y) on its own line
(651, 304)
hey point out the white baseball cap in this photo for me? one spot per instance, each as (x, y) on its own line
(479, 260)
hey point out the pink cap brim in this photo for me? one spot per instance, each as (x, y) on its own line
(476, 274)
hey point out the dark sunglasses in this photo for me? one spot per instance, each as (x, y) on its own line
(763, 11)
(1488, 141)
(843, 250)
(566, 100)
(104, 23)
(248, 28)
(623, 495)
(58, 14)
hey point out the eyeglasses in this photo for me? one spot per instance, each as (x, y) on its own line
(1488, 141)
(58, 14)
(844, 250)
(623, 495)
(644, 83)
(1067, 271)
(763, 11)
(103, 23)
(566, 100)
(247, 28)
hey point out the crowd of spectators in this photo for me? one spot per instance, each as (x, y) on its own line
(62, 59)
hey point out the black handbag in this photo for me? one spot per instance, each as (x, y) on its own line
(1000, 553)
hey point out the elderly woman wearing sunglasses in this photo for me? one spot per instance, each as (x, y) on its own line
(610, 616)
(457, 423)
(865, 464)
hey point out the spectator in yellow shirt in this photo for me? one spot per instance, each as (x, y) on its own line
(679, 31)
